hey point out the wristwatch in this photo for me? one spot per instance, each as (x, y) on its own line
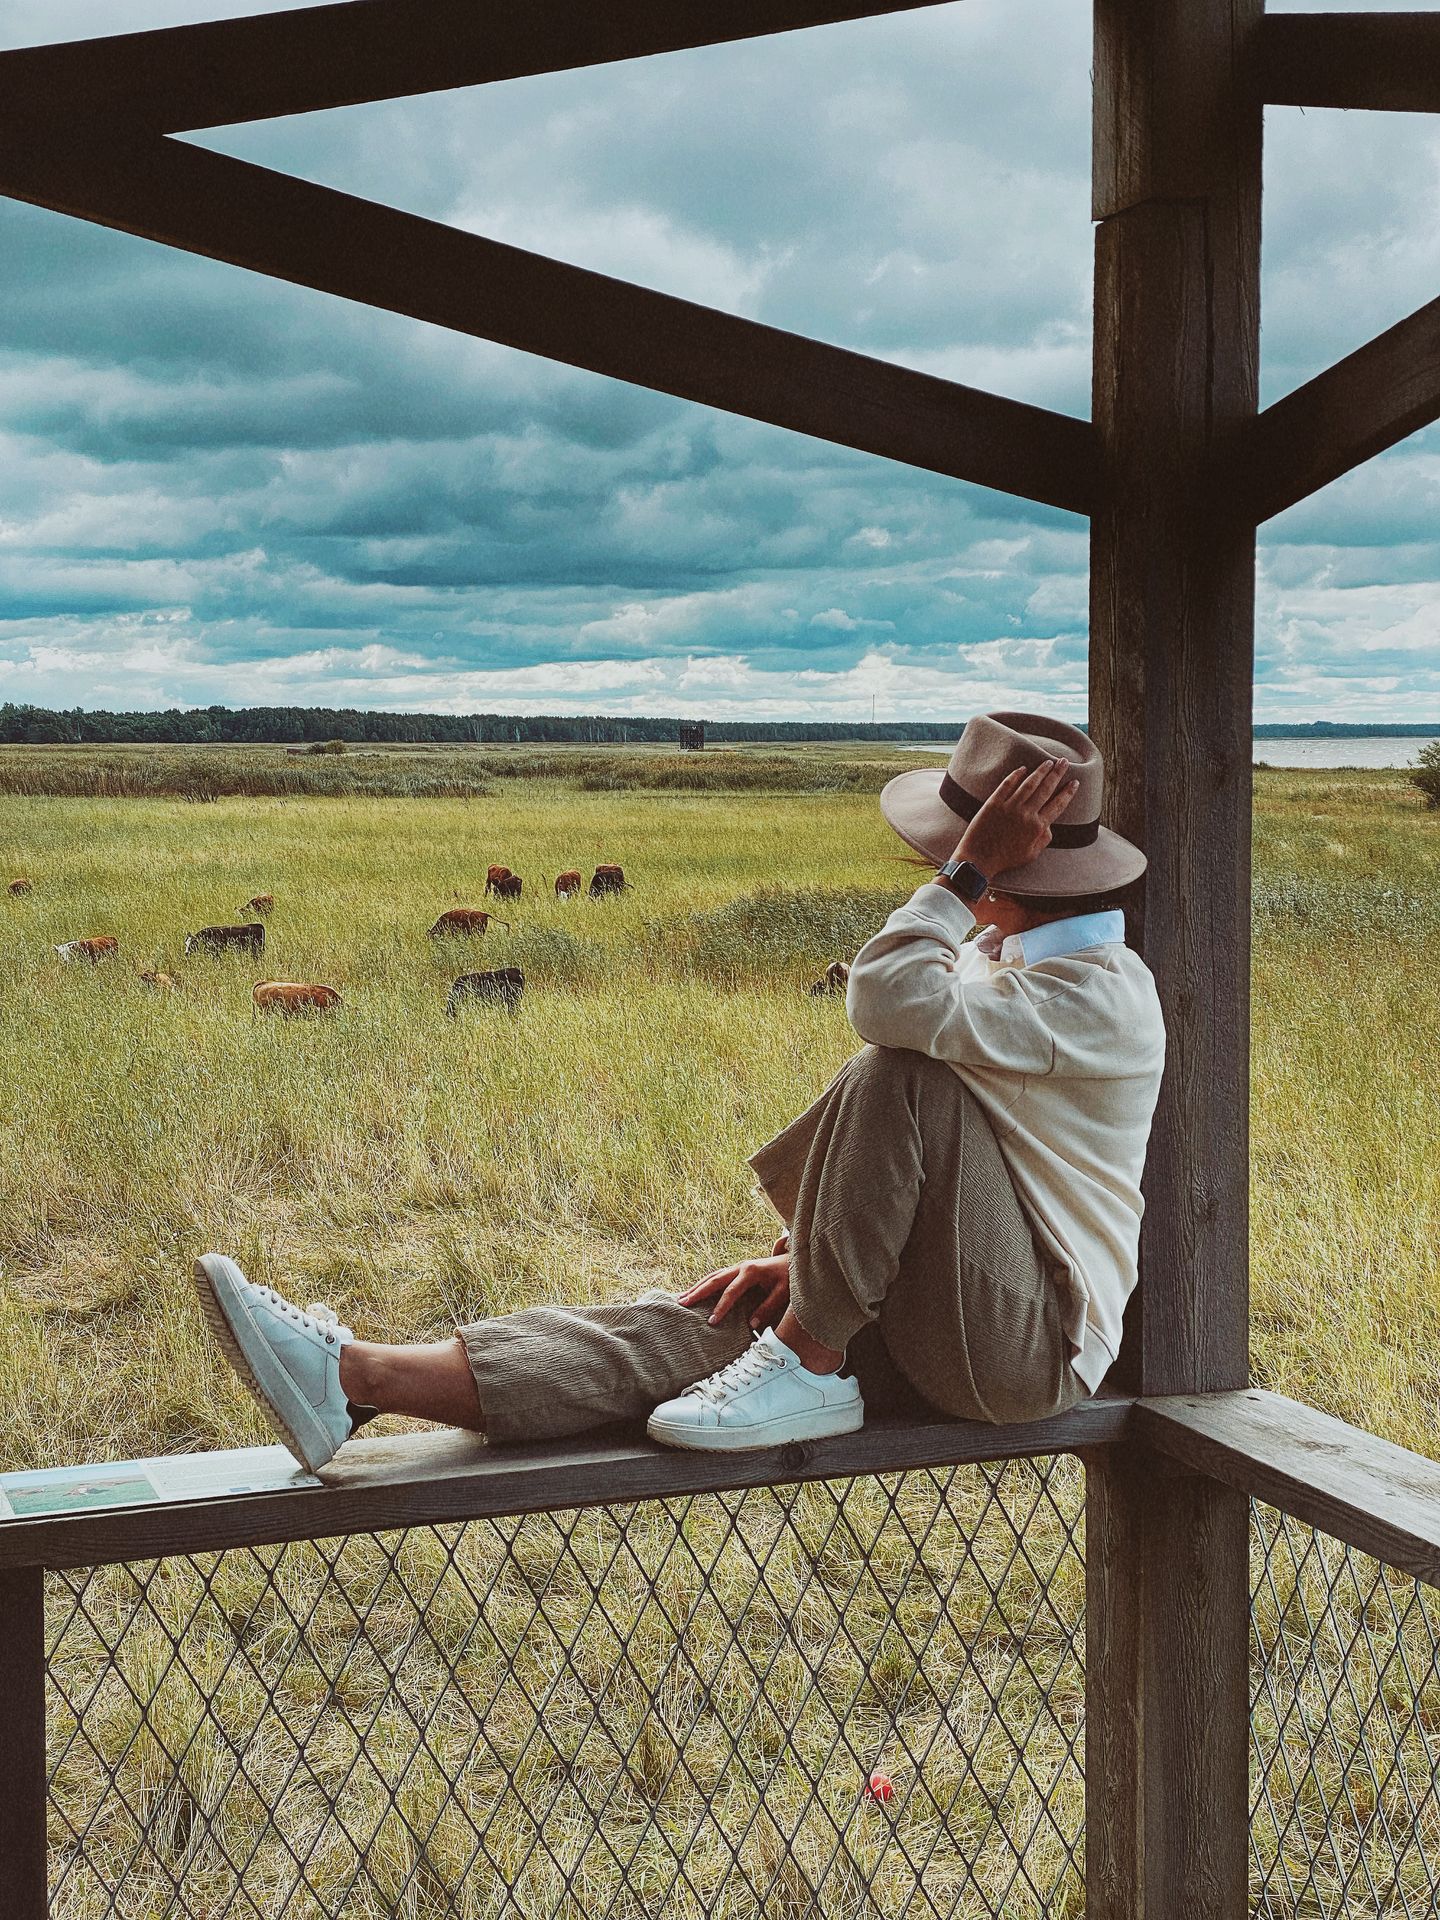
(963, 877)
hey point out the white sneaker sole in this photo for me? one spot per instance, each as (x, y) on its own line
(822, 1423)
(217, 1284)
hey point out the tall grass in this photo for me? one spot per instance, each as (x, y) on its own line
(419, 1172)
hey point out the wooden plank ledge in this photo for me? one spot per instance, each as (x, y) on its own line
(1365, 1491)
(421, 1479)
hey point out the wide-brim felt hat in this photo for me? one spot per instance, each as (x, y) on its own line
(930, 807)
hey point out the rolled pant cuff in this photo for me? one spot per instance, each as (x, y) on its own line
(505, 1386)
(825, 1306)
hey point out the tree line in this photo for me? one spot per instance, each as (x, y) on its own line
(240, 726)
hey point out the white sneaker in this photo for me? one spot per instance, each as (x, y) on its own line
(762, 1399)
(289, 1359)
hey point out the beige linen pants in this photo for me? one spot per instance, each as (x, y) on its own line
(909, 1249)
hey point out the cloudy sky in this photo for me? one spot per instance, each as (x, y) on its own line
(218, 488)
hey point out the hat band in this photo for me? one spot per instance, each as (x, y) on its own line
(967, 806)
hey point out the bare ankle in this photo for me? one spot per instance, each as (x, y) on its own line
(811, 1353)
(362, 1372)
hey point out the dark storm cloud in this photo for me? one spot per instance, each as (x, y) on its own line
(218, 487)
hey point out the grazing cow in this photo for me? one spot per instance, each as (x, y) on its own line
(293, 997)
(502, 988)
(835, 979)
(493, 876)
(159, 982)
(608, 880)
(507, 887)
(259, 904)
(21, 886)
(464, 920)
(104, 946)
(218, 940)
(569, 883)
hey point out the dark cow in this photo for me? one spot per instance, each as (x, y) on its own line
(501, 988)
(568, 883)
(835, 979)
(218, 940)
(102, 946)
(608, 880)
(493, 876)
(460, 921)
(21, 886)
(507, 887)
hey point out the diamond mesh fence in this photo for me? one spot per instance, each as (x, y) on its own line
(675, 1708)
(1345, 1731)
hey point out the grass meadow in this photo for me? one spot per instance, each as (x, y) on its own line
(415, 1171)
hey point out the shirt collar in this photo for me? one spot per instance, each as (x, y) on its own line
(1071, 935)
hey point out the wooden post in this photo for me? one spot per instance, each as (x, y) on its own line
(24, 1882)
(1177, 202)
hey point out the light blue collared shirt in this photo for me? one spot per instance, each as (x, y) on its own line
(1071, 935)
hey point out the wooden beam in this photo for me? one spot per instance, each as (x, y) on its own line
(1370, 400)
(1167, 1708)
(1177, 197)
(1366, 1491)
(422, 1479)
(316, 237)
(24, 1868)
(1177, 137)
(221, 72)
(1389, 61)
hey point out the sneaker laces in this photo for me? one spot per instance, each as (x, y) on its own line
(316, 1318)
(745, 1370)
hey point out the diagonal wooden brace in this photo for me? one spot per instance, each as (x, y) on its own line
(1368, 401)
(220, 72)
(317, 237)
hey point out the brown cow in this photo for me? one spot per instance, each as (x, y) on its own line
(159, 982)
(292, 997)
(507, 887)
(217, 940)
(258, 904)
(21, 886)
(104, 946)
(568, 883)
(608, 880)
(464, 920)
(835, 979)
(493, 876)
(502, 988)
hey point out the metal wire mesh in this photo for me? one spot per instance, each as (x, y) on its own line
(673, 1708)
(1345, 1731)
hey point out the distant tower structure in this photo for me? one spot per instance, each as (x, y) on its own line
(692, 735)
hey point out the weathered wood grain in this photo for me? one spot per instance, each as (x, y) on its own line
(420, 1479)
(218, 73)
(317, 237)
(1377, 60)
(1176, 190)
(1374, 397)
(1167, 1693)
(1366, 1491)
(1172, 624)
(24, 1886)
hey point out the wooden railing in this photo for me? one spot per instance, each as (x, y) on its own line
(1341, 1799)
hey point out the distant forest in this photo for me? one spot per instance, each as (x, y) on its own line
(201, 726)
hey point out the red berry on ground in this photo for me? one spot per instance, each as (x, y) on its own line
(880, 1786)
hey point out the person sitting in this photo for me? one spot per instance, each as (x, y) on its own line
(961, 1204)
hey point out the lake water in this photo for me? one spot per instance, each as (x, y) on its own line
(1379, 751)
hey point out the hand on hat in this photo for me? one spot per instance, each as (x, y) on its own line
(1013, 826)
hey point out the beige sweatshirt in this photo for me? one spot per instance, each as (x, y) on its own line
(1058, 1034)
